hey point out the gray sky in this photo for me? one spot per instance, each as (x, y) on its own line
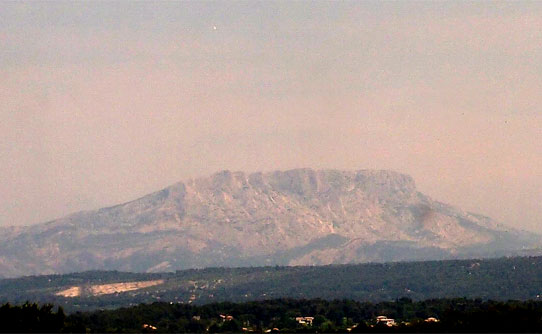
(102, 102)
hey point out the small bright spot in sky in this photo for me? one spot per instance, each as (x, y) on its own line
(214, 27)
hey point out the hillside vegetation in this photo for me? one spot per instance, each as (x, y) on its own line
(517, 278)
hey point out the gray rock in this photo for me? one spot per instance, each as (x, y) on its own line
(295, 217)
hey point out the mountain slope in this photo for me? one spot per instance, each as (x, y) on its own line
(294, 217)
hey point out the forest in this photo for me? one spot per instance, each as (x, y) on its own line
(279, 315)
(518, 278)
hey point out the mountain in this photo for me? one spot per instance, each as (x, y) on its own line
(295, 217)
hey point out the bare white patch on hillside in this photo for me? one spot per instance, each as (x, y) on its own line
(107, 289)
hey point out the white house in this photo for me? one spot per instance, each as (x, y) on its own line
(304, 320)
(382, 319)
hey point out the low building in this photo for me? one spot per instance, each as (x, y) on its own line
(382, 319)
(304, 320)
(149, 327)
(226, 317)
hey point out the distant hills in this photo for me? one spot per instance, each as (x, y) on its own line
(234, 219)
(498, 279)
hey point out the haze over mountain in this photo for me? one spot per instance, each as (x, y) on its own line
(103, 102)
(294, 217)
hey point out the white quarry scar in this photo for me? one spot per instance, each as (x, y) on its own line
(106, 289)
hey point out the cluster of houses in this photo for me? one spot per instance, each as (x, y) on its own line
(380, 320)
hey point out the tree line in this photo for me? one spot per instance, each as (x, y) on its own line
(279, 315)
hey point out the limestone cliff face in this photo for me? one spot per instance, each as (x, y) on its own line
(290, 217)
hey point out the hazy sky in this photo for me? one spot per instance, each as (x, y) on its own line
(103, 102)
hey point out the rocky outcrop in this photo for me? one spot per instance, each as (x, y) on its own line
(293, 217)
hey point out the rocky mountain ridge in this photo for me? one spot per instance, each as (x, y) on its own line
(294, 217)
